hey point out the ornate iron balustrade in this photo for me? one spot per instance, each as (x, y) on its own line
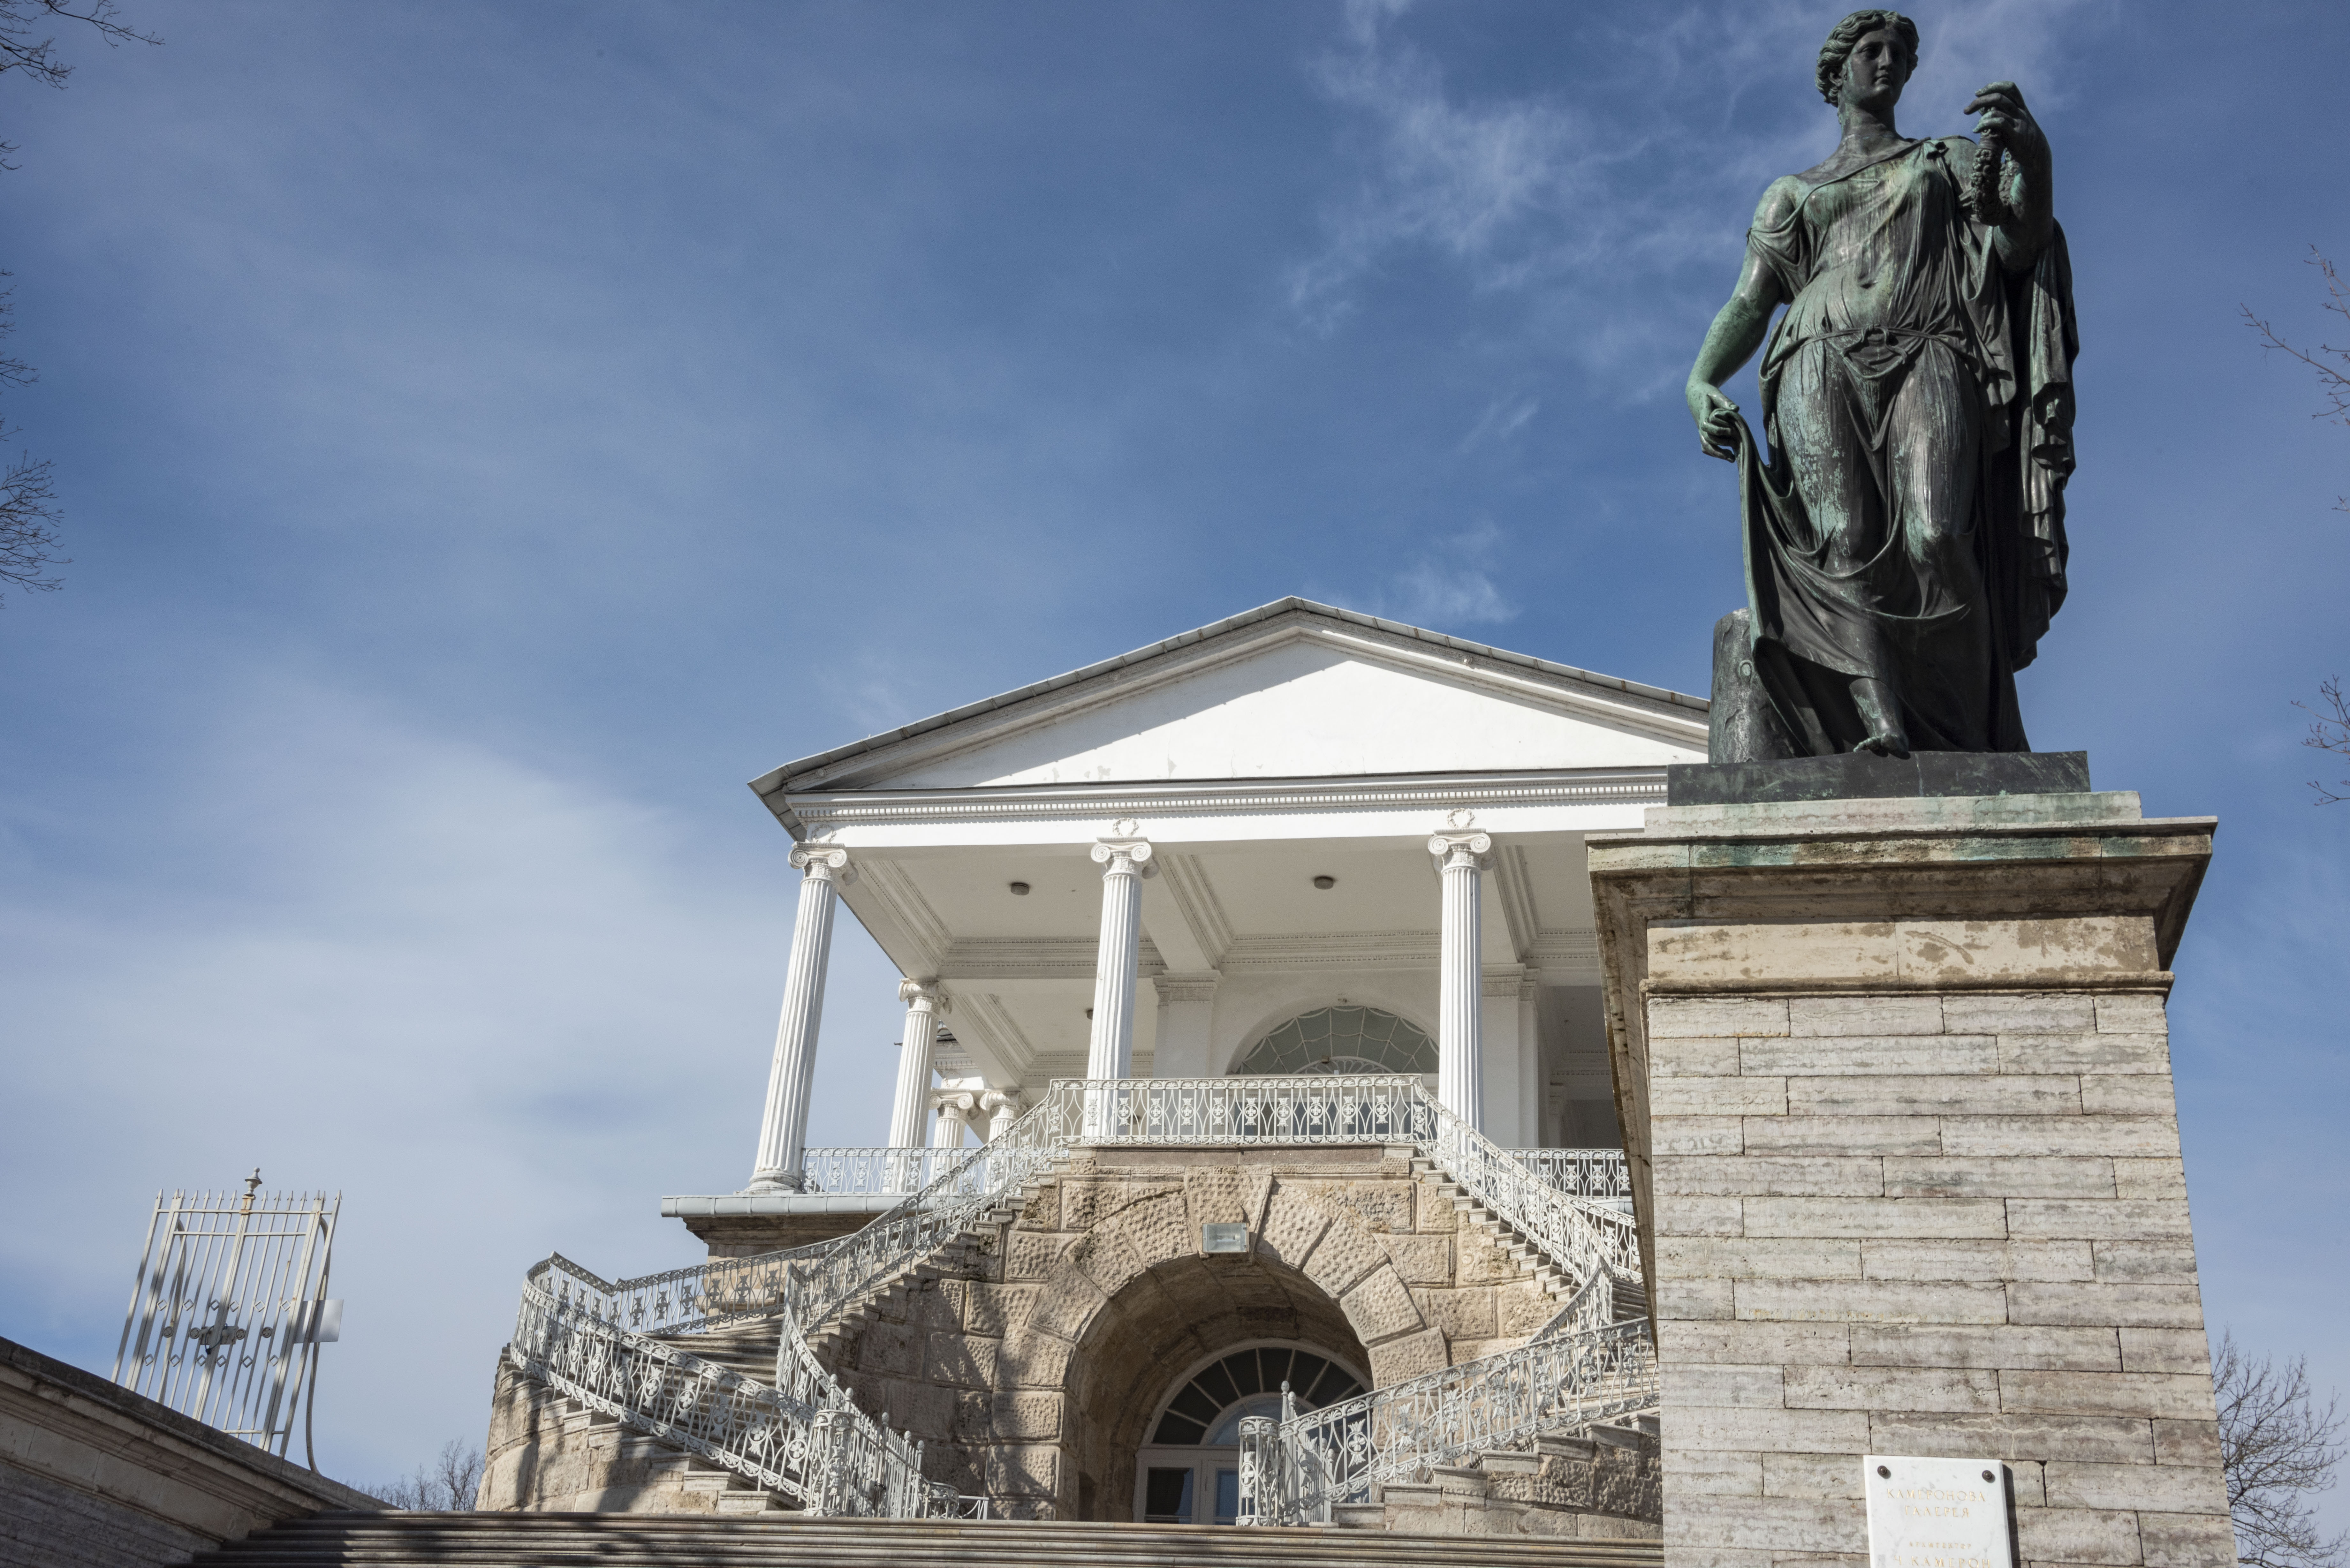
(804, 1435)
(862, 1170)
(1297, 1471)
(1598, 1173)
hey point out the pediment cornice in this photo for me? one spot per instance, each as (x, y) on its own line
(868, 764)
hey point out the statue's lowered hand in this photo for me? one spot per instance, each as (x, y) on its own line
(1717, 421)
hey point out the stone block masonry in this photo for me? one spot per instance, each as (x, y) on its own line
(1895, 1083)
(1036, 1377)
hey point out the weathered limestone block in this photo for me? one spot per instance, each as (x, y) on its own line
(1294, 1223)
(996, 1310)
(1408, 1357)
(1342, 1255)
(1043, 1210)
(1420, 1260)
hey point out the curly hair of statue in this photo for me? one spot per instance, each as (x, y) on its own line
(1849, 32)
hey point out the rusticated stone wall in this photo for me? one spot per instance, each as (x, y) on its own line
(1037, 1377)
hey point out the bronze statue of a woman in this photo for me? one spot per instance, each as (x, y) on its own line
(1904, 538)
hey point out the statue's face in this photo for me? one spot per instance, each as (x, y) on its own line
(1877, 70)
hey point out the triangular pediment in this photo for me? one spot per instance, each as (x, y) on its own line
(1292, 691)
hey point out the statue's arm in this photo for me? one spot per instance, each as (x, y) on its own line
(2029, 187)
(1738, 329)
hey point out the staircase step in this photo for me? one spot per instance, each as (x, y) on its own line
(789, 1540)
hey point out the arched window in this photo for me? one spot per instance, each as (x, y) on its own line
(1189, 1469)
(1343, 1040)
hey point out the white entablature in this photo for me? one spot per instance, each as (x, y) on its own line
(1277, 781)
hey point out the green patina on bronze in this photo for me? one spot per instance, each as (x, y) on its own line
(1905, 533)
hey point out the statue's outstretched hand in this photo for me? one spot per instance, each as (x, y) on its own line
(2000, 104)
(1717, 421)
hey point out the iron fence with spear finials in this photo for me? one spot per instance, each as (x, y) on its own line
(230, 1309)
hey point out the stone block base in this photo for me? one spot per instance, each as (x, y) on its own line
(1896, 1082)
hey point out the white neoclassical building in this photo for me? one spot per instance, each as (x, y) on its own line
(1300, 840)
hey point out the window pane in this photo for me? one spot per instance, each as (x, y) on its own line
(1175, 1429)
(1349, 1039)
(1167, 1496)
(1228, 1496)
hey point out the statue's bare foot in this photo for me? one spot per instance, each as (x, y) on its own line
(1888, 744)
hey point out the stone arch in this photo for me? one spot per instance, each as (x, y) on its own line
(1129, 1299)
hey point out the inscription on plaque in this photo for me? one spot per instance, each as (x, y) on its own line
(1936, 1513)
(1224, 1238)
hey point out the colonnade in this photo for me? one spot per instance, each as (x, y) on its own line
(1461, 857)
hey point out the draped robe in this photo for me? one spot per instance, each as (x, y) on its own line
(1909, 521)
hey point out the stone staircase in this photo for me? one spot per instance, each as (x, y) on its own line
(661, 1476)
(1630, 1294)
(1595, 1485)
(962, 1257)
(681, 1541)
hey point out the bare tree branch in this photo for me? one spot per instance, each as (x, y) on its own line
(2329, 732)
(2277, 1448)
(39, 61)
(2332, 378)
(28, 509)
(449, 1482)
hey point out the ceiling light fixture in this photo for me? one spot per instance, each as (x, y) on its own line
(1325, 883)
(1019, 890)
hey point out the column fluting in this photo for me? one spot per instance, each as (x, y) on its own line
(782, 1130)
(1460, 989)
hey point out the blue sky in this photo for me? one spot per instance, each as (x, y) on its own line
(491, 433)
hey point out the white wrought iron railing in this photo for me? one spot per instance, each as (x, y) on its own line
(839, 1171)
(1297, 1470)
(1598, 1173)
(803, 1437)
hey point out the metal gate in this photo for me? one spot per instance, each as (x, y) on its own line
(231, 1307)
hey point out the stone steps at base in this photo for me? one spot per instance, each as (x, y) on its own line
(636, 1540)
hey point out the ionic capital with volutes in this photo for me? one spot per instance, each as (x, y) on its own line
(1456, 850)
(1123, 851)
(824, 862)
(925, 995)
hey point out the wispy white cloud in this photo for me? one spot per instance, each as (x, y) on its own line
(498, 1005)
(1503, 417)
(1461, 178)
(1449, 585)
(1576, 206)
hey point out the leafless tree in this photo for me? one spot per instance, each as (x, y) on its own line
(28, 509)
(2277, 1446)
(449, 1482)
(21, 19)
(28, 512)
(2331, 732)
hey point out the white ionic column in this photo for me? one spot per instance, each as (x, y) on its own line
(911, 1106)
(1003, 1108)
(1124, 861)
(955, 1106)
(1460, 985)
(1530, 1064)
(783, 1130)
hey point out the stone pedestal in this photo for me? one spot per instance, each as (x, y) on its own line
(1895, 1082)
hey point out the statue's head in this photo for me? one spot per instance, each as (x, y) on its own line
(1868, 58)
